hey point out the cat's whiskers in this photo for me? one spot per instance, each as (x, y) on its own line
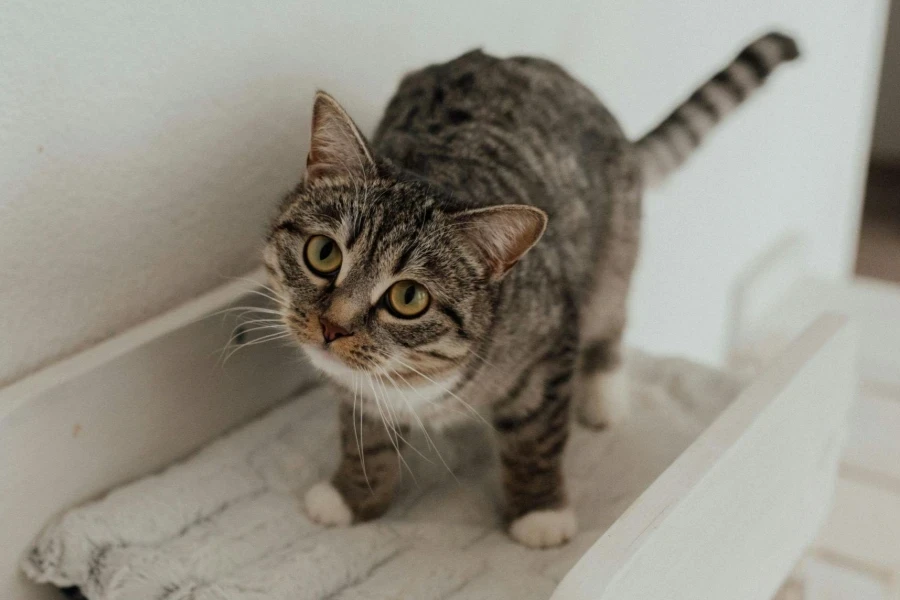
(428, 439)
(240, 330)
(246, 309)
(235, 334)
(388, 406)
(358, 438)
(390, 410)
(447, 390)
(396, 421)
(255, 321)
(266, 338)
(429, 401)
(270, 318)
(275, 299)
(390, 429)
(255, 285)
(492, 385)
(276, 295)
(483, 359)
(361, 442)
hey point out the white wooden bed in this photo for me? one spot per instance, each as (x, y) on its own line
(726, 521)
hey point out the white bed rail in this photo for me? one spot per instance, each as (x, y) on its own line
(731, 516)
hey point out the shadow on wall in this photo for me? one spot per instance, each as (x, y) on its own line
(886, 137)
(879, 239)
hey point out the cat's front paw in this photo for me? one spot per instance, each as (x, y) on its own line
(326, 506)
(544, 528)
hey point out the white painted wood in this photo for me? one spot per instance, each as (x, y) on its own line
(83, 362)
(762, 285)
(824, 580)
(871, 304)
(733, 514)
(135, 403)
(874, 444)
(856, 552)
(123, 409)
(864, 525)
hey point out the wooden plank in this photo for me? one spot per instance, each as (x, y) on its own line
(733, 514)
(124, 409)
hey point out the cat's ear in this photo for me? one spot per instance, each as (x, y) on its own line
(503, 233)
(336, 146)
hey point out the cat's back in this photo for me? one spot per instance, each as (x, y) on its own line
(522, 110)
(521, 131)
(487, 88)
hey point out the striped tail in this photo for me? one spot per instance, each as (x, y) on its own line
(672, 141)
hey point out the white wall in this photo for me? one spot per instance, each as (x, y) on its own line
(886, 143)
(144, 145)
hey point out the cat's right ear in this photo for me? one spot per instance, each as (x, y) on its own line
(336, 146)
(503, 234)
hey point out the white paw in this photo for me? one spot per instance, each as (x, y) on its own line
(544, 528)
(605, 399)
(326, 506)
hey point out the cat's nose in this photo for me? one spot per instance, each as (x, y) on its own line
(332, 331)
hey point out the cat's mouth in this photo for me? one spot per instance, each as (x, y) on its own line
(342, 353)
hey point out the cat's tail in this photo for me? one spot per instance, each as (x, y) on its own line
(667, 146)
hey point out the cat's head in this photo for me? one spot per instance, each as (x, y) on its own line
(379, 272)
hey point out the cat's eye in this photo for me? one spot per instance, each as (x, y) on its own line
(323, 257)
(407, 299)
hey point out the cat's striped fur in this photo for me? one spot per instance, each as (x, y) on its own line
(667, 146)
(473, 162)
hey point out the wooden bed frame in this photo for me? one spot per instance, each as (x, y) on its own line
(726, 521)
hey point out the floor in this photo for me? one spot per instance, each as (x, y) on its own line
(857, 554)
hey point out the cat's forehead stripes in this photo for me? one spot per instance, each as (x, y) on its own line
(354, 225)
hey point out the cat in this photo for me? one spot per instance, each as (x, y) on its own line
(410, 271)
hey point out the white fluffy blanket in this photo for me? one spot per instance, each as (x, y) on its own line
(227, 524)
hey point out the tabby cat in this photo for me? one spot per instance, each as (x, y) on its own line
(409, 269)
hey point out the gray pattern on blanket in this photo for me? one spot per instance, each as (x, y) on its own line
(227, 524)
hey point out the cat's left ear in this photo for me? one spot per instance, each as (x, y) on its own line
(503, 234)
(336, 146)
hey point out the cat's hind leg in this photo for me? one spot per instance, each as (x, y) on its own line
(602, 392)
(601, 388)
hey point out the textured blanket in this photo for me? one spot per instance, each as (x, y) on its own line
(227, 524)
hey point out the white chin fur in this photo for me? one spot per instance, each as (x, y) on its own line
(544, 528)
(394, 390)
(329, 364)
(326, 506)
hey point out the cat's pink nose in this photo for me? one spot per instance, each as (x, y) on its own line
(332, 331)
